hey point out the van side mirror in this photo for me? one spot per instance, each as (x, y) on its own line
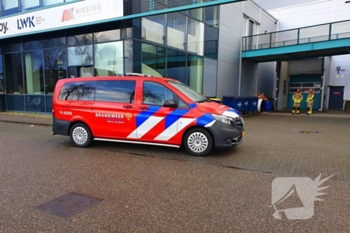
(170, 104)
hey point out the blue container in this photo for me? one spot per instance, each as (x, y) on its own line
(253, 104)
(267, 106)
(239, 103)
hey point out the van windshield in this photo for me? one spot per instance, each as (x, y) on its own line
(190, 93)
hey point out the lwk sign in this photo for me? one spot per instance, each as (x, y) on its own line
(27, 22)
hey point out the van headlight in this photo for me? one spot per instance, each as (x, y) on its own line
(223, 119)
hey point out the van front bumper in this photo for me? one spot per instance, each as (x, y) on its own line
(225, 136)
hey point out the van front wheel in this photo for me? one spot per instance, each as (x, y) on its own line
(198, 142)
(80, 135)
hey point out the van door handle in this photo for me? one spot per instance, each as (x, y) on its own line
(127, 106)
(143, 108)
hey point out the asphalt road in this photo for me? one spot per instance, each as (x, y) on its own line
(154, 189)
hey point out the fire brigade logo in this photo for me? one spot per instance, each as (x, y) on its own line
(300, 191)
(128, 116)
(68, 15)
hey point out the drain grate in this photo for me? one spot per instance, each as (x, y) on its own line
(315, 132)
(68, 205)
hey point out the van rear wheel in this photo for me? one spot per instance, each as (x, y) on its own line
(198, 142)
(80, 135)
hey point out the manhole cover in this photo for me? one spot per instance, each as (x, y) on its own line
(309, 132)
(68, 205)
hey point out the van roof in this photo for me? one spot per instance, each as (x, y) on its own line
(128, 75)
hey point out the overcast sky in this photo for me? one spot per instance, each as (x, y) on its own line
(272, 4)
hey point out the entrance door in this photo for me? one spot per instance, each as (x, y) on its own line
(336, 98)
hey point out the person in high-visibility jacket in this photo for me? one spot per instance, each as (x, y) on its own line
(310, 101)
(297, 98)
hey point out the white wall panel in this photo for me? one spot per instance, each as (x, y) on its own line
(343, 77)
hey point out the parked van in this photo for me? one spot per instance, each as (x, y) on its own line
(143, 110)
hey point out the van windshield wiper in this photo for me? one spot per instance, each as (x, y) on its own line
(204, 100)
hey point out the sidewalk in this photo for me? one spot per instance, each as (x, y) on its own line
(26, 118)
(330, 114)
(46, 119)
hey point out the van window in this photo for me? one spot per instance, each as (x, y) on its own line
(155, 93)
(121, 91)
(78, 91)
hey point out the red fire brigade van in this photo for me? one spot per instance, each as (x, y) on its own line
(143, 110)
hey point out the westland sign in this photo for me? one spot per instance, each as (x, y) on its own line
(75, 14)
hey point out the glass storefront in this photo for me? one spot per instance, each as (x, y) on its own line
(172, 45)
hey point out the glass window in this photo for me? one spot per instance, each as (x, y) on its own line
(32, 43)
(132, 28)
(182, 104)
(106, 36)
(80, 55)
(109, 59)
(2, 81)
(34, 103)
(153, 28)
(195, 39)
(14, 74)
(55, 40)
(308, 84)
(78, 91)
(121, 91)
(33, 72)
(195, 73)
(295, 85)
(76, 40)
(186, 90)
(129, 56)
(176, 65)
(153, 60)
(9, 7)
(12, 45)
(177, 27)
(196, 13)
(211, 16)
(211, 42)
(55, 67)
(51, 2)
(30, 4)
(155, 93)
(15, 102)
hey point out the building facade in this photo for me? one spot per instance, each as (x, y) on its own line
(43, 41)
(328, 76)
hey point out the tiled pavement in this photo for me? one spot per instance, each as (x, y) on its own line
(274, 143)
(294, 145)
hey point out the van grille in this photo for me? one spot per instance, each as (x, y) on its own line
(239, 123)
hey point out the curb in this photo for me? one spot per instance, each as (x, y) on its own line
(25, 123)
